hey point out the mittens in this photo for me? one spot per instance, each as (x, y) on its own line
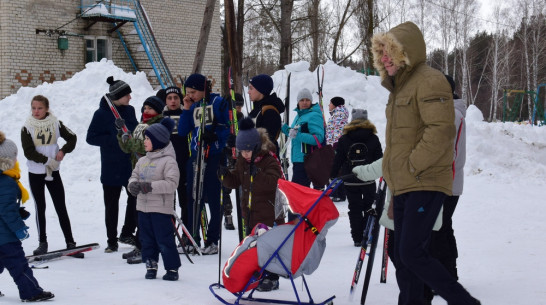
(134, 188)
(22, 234)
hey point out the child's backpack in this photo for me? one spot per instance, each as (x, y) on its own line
(357, 154)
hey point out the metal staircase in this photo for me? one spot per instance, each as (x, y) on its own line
(119, 12)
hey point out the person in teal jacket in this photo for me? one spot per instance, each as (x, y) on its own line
(306, 130)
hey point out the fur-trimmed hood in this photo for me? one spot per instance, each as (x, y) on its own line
(267, 145)
(359, 124)
(404, 43)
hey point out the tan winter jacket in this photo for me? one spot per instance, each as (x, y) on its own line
(159, 168)
(420, 115)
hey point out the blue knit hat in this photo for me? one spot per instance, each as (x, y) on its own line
(248, 137)
(196, 81)
(263, 83)
(155, 103)
(160, 133)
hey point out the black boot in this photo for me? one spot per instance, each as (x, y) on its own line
(151, 267)
(42, 248)
(228, 223)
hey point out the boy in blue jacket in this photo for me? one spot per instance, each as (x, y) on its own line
(215, 136)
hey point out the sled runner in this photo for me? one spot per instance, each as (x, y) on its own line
(289, 250)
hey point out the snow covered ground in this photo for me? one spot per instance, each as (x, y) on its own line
(499, 221)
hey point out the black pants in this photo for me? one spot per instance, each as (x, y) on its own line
(360, 200)
(111, 205)
(414, 216)
(56, 190)
(443, 245)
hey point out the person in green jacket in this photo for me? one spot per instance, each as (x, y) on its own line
(417, 159)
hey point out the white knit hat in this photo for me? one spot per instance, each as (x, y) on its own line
(8, 152)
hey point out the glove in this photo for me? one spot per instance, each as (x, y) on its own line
(146, 187)
(285, 129)
(22, 234)
(52, 163)
(119, 123)
(134, 188)
(293, 133)
(24, 213)
(125, 136)
(209, 137)
(231, 141)
(222, 170)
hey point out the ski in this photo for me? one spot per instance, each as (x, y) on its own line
(385, 260)
(320, 83)
(187, 233)
(374, 236)
(199, 166)
(283, 156)
(234, 130)
(181, 241)
(116, 114)
(60, 253)
(368, 236)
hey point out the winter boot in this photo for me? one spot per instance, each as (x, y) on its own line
(228, 223)
(171, 275)
(111, 248)
(72, 245)
(151, 267)
(212, 248)
(42, 296)
(127, 239)
(136, 258)
(131, 253)
(42, 248)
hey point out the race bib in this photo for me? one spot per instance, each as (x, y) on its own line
(138, 133)
(209, 115)
(44, 136)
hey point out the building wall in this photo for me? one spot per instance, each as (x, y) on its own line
(28, 58)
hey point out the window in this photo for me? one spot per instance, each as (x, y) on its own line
(97, 48)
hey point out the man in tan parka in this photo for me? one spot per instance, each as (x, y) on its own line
(417, 159)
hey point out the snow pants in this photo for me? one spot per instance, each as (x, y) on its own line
(360, 200)
(56, 190)
(157, 236)
(414, 217)
(12, 257)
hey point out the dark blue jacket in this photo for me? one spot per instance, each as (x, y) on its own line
(10, 220)
(115, 164)
(189, 122)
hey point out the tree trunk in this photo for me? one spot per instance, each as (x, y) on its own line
(203, 37)
(314, 20)
(286, 33)
(233, 51)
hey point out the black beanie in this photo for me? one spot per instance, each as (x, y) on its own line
(263, 83)
(337, 101)
(452, 83)
(160, 133)
(161, 94)
(155, 103)
(118, 88)
(173, 89)
(196, 81)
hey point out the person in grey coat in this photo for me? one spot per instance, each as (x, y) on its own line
(443, 245)
(154, 181)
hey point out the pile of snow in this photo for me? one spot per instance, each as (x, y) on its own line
(498, 222)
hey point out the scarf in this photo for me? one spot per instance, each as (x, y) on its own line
(15, 173)
(147, 117)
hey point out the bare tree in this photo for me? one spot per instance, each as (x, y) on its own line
(286, 32)
(232, 45)
(203, 36)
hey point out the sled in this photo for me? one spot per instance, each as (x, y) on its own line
(289, 250)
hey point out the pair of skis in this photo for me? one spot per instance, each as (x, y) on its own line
(370, 238)
(60, 253)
